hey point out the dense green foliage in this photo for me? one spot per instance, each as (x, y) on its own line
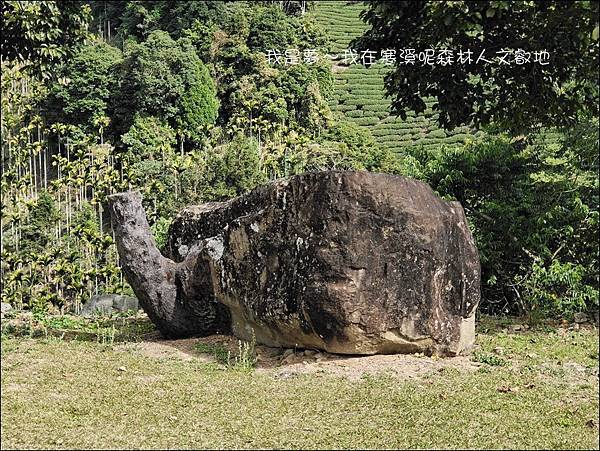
(178, 100)
(512, 95)
(535, 215)
(39, 34)
(139, 19)
(82, 97)
(164, 78)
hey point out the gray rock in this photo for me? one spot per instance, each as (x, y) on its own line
(125, 303)
(580, 317)
(341, 261)
(107, 304)
(292, 359)
(6, 308)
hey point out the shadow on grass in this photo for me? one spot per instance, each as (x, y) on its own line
(106, 330)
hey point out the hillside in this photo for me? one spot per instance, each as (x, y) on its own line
(360, 93)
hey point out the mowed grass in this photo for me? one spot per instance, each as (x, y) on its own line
(85, 394)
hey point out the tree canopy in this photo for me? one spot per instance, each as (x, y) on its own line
(90, 78)
(40, 34)
(165, 78)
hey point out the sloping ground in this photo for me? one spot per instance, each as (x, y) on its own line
(359, 91)
(360, 94)
(342, 22)
(359, 97)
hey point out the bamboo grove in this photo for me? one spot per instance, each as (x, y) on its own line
(57, 248)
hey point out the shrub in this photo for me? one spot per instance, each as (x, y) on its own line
(232, 169)
(489, 359)
(557, 290)
(534, 211)
(165, 78)
(149, 138)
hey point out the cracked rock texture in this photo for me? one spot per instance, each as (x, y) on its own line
(347, 262)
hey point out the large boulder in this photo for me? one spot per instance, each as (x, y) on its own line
(347, 262)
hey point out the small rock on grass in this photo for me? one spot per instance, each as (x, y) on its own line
(593, 424)
(291, 359)
(580, 317)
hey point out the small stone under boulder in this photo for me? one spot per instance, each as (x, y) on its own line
(347, 262)
(107, 304)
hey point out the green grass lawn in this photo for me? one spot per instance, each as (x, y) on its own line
(536, 389)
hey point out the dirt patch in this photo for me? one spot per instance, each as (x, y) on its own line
(336, 68)
(570, 373)
(13, 387)
(148, 379)
(284, 363)
(400, 366)
(166, 349)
